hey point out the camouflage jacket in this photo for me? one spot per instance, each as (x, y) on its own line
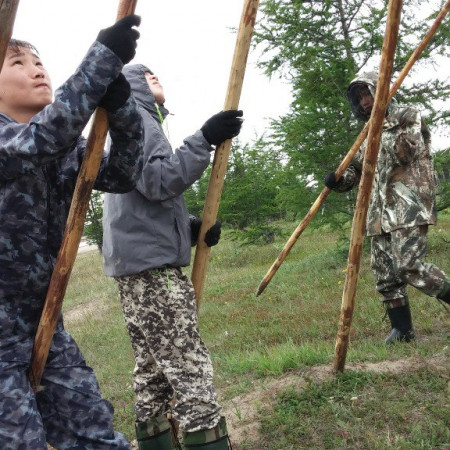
(39, 164)
(403, 192)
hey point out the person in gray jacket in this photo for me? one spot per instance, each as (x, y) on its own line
(147, 238)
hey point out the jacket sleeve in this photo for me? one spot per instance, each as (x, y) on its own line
(121, 167)
(351, 176)
(409, 140)
(52, 133)
(166, 175)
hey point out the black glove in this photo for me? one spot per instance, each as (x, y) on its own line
(222, 126)
(212, 236)
(195, 223)
(121, 37)
(116, 94)
(330, 181)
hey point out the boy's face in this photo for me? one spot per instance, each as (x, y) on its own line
(365, 100)
(25, 87)
(155, 87)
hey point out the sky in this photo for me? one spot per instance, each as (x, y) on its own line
(188, 44)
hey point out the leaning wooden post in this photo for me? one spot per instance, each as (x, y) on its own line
(8, 9)
(72, 234)
(222, 152)
(365, 187)
(351, 153)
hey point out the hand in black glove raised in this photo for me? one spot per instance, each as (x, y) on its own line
(121, 37)
(116, 94)
(222, 126)
(330, 181)
(212, 236)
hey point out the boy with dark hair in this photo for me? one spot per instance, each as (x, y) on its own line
(41, 150)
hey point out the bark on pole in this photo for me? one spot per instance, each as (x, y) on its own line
(222, 152)
(365, 187)
(351, 153)
(8, 9)
(72, 234)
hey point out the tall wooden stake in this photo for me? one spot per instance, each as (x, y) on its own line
(222, 152)
(72, 235)
(8, 9)
(365, 187)
(351, 153)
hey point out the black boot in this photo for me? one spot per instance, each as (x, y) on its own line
(444, 295)
(402, 329)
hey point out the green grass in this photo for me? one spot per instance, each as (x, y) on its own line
(361, 410)
(288, 328)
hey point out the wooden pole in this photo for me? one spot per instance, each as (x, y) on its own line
(351, 153)
(222, 152)
(365, 187)
(8, 9)
(72, 235)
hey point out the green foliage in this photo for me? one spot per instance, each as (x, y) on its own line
(319, 47)
(442, 165)
(250, 198)
(93, 230)
(250, 193)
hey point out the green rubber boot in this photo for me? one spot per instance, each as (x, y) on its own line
(154, 434)
(445, 293)
(213, 439)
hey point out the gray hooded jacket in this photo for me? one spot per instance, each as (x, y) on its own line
(148, 227)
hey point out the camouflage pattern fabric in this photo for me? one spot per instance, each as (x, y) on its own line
(152, 427)
(217, 435)
(161, 316)
(397, 261)
(68, 412)
(402, 202)
(39, 163)
(403, 191)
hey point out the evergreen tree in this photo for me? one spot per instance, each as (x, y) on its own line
(93, 229)
(319, 46)
(442, 164)
(250, 195)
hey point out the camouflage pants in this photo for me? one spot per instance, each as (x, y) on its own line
(68, 412)
(397, 261)
(161, 316)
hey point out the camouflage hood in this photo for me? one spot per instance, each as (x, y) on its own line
(369, 80)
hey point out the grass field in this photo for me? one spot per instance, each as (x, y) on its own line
(273, 353)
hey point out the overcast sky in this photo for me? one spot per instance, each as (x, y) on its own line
(188, 44)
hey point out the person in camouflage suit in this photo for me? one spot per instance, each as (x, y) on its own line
(147, 238)
(41, 149)
(401, 207)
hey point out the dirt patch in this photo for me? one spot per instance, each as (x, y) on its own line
(242, 411)
(93, 309)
